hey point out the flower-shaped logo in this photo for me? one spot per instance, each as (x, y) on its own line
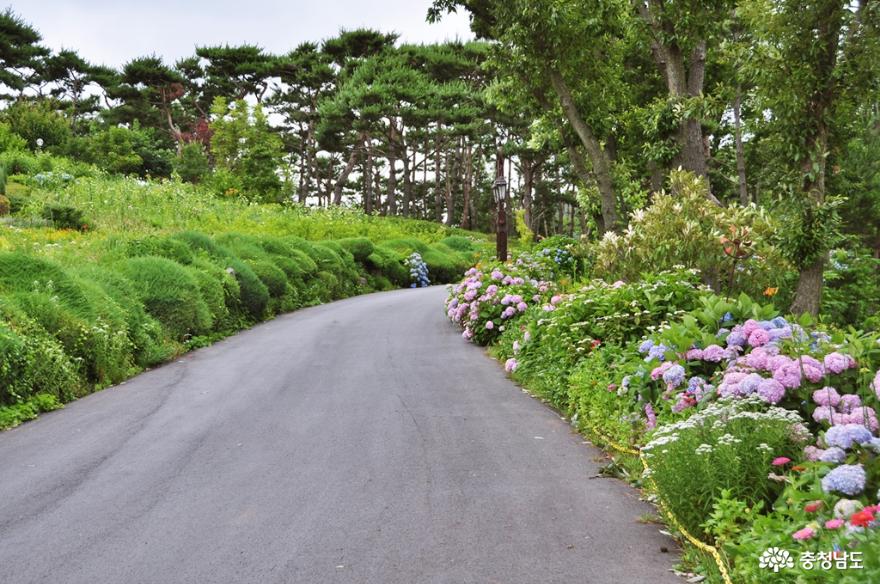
(775, 559)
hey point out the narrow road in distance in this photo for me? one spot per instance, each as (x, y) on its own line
(362, 441)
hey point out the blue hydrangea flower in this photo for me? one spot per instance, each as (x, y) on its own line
(833, 454)
(845, 435)
(848, 479)
(674, 376)
(657, 352)
(646, 346)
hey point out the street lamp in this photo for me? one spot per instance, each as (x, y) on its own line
(500, 190)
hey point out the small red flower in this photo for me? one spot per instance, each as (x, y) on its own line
(595, 343)
(813, 506)
(862, 518)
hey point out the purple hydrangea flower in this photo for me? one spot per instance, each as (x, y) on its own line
(788, 375)
(694, 354)
(833, 454)
(825, 414)
(877, 384)
(750, 383)
(490, 325)
(657, 352)
(771, 391)
(838, 363)
(736, 338)
(510, 365)
(848, 403)
(844, 436)
(674, 376)
(750, 326)
(714, 354)
(848, 479)
(646, 346)
(812, 453)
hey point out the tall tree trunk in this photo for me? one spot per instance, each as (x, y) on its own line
(392, 170)
(438, 195)
(346, 171)
(467, 159)
(368, 176)
(586, 178)
(740, 150)
(528, 188)
(450, 201)
(598, 155)
(407, 184)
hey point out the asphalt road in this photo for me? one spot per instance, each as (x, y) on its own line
(358, 442)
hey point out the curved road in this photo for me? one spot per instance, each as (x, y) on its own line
(358, 442)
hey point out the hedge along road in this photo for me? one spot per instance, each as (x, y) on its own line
(361, 441)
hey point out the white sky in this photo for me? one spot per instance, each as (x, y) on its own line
(112, 32)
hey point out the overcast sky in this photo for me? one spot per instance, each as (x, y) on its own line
(111, 32)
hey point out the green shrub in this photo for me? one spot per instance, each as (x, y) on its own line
(717, 450)
(271, 275)
(166, 247)
(192, 164)
(390, 264)
(12, 416)
(171, 294)
(149, 345)
(31, 360)
(254, 293)
(65, 217)
(25, 273)
(459, 243)
(685, 228)
(199, 242)
(38, 120)
(359, 247)
(5, 206)
(212, 292)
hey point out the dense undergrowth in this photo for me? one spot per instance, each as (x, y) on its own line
(101, 277)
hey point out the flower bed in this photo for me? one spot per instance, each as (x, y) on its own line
(758, 431)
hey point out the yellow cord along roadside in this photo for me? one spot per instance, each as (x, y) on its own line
(673, 520)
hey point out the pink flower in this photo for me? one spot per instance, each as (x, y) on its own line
(812, 453)
(849, 402)
(556, 300)
(780, 461)
(827, 396)
(618, 284)
(803, 534)
(510, 365)
(759, 337)
(877, 384)
(813, 506)
(838, 362)
(834, 523)
(490, 325)
(694, 355)
(658, 372)
(750, 326)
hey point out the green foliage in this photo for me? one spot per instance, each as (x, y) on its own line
(721, 450)
(170, 294)
(112, 149)
(38, 120)
(192, 165)
(852, 288)
(526, 235)
(360, 247)
(730, 246)
(65, 217)
(246, 150)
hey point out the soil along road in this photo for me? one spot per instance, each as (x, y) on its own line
(361, 441)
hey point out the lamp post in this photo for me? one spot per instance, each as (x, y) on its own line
(500, 190)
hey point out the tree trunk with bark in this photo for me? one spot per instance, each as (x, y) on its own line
(599, 157)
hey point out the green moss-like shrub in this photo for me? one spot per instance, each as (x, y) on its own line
(254, 294)
(359, 247)
(171, 294)
(166, 247)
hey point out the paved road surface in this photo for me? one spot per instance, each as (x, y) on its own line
(358, 442)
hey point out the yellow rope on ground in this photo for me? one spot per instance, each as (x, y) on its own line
(711, 550)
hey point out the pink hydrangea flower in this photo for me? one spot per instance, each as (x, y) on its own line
(827, 396)
(812, 453)
(838, 363)
(750, 326)
(694, 355)
(759, 337)
(788, 375)
(849, 402)
(714, 353)
(658, 372)
(826, 414)
(510, 365)
(877, 384)
(490, 325)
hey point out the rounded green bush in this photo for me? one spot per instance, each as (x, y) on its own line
(360, 247)
(166, 247)
(32, 361)
(390, 264)
(459, 243)
(272, 276)
(199, 242)
(171, 294)
(149, 346)
(254, 294)
(25, 273)
(213, 293)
